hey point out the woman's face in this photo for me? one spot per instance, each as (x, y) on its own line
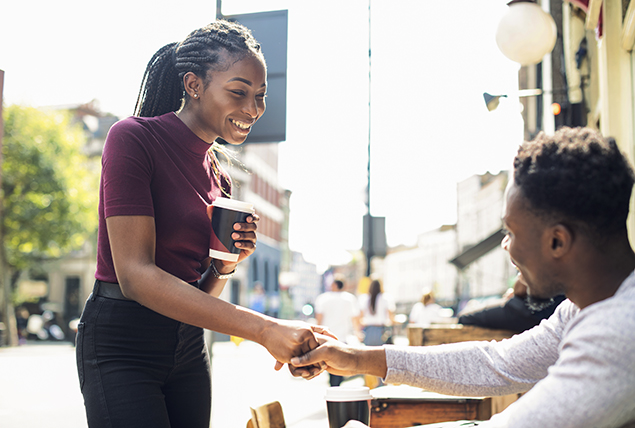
(232, 101)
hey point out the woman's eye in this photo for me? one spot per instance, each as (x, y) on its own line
(263, 96)
(240, 93)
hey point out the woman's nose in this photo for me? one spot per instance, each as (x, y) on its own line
(251, 109)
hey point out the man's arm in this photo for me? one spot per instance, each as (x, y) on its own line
(593, 382)
(467, 368)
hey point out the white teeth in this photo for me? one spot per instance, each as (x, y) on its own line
(241, 125)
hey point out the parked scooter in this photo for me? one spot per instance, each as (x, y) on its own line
(45, 327)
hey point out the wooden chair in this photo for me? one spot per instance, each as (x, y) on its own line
(267, 416)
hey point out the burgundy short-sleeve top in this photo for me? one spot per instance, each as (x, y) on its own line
(158, 167)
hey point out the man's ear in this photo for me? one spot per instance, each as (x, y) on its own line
(561, 240)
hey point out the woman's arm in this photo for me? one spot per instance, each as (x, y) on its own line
(133, 240)
(212, 285)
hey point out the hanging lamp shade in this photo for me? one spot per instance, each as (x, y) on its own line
(526, 33)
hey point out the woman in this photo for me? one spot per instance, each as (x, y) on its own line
(141, 356)
(377, 314)
(426, 311)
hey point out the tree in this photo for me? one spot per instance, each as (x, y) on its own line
(49, 189)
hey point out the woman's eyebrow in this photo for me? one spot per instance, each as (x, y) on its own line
(245, 81)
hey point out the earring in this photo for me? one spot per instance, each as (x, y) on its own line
(195, 95)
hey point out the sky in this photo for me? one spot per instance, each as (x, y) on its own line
(429, 127)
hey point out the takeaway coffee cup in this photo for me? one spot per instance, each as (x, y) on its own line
(227, 212)
(346, 403)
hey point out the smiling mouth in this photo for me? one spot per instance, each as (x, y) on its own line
(241, 125)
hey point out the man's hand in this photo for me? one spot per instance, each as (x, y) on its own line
(340, 359)
(310, 342)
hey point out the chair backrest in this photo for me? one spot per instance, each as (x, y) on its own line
(267, 416)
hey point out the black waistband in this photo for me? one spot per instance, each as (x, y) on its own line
(110, 290)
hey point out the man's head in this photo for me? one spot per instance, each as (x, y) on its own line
(577, 177)
(570, 187)
(338, 285)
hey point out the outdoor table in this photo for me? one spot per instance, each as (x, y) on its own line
(399, 406)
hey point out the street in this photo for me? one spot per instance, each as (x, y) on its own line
(38, 387)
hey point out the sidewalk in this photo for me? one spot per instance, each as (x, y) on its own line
(38, 387)
(243, 377)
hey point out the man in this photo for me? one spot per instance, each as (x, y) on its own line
(565, 214)
(338, 310)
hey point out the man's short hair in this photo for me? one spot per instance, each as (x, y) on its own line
(576, 176)
(339, 284)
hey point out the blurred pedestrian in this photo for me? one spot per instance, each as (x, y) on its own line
(257, 299)
(426, 311)
(338, 310)
(22, 318)
(378, 311)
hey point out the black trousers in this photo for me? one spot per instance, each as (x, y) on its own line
(138, 368)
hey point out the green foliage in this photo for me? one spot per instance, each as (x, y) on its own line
(49, 188)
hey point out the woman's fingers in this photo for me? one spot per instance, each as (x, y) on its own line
(245, 237)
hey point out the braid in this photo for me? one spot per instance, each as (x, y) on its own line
(160, 91)
(162, 84)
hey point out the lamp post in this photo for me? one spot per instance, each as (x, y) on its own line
(368, 225)
(526, 33)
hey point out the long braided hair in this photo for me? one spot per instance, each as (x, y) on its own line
(162, 89)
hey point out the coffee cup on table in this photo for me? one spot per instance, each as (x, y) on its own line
(227, 212)
(347, 403)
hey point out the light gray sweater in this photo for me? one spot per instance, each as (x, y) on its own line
(578, 367)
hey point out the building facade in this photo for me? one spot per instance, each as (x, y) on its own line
(409, 271)
(480, 200)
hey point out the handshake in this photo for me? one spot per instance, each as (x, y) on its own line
(309, 350)
(321, 351)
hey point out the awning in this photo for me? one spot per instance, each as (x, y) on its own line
(477, 251)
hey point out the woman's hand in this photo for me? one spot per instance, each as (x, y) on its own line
(245, 237)
(309, 372)
(334, 355)
(341, 359)
(287, 339)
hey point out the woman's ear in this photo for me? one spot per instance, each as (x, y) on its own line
(191, 83)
